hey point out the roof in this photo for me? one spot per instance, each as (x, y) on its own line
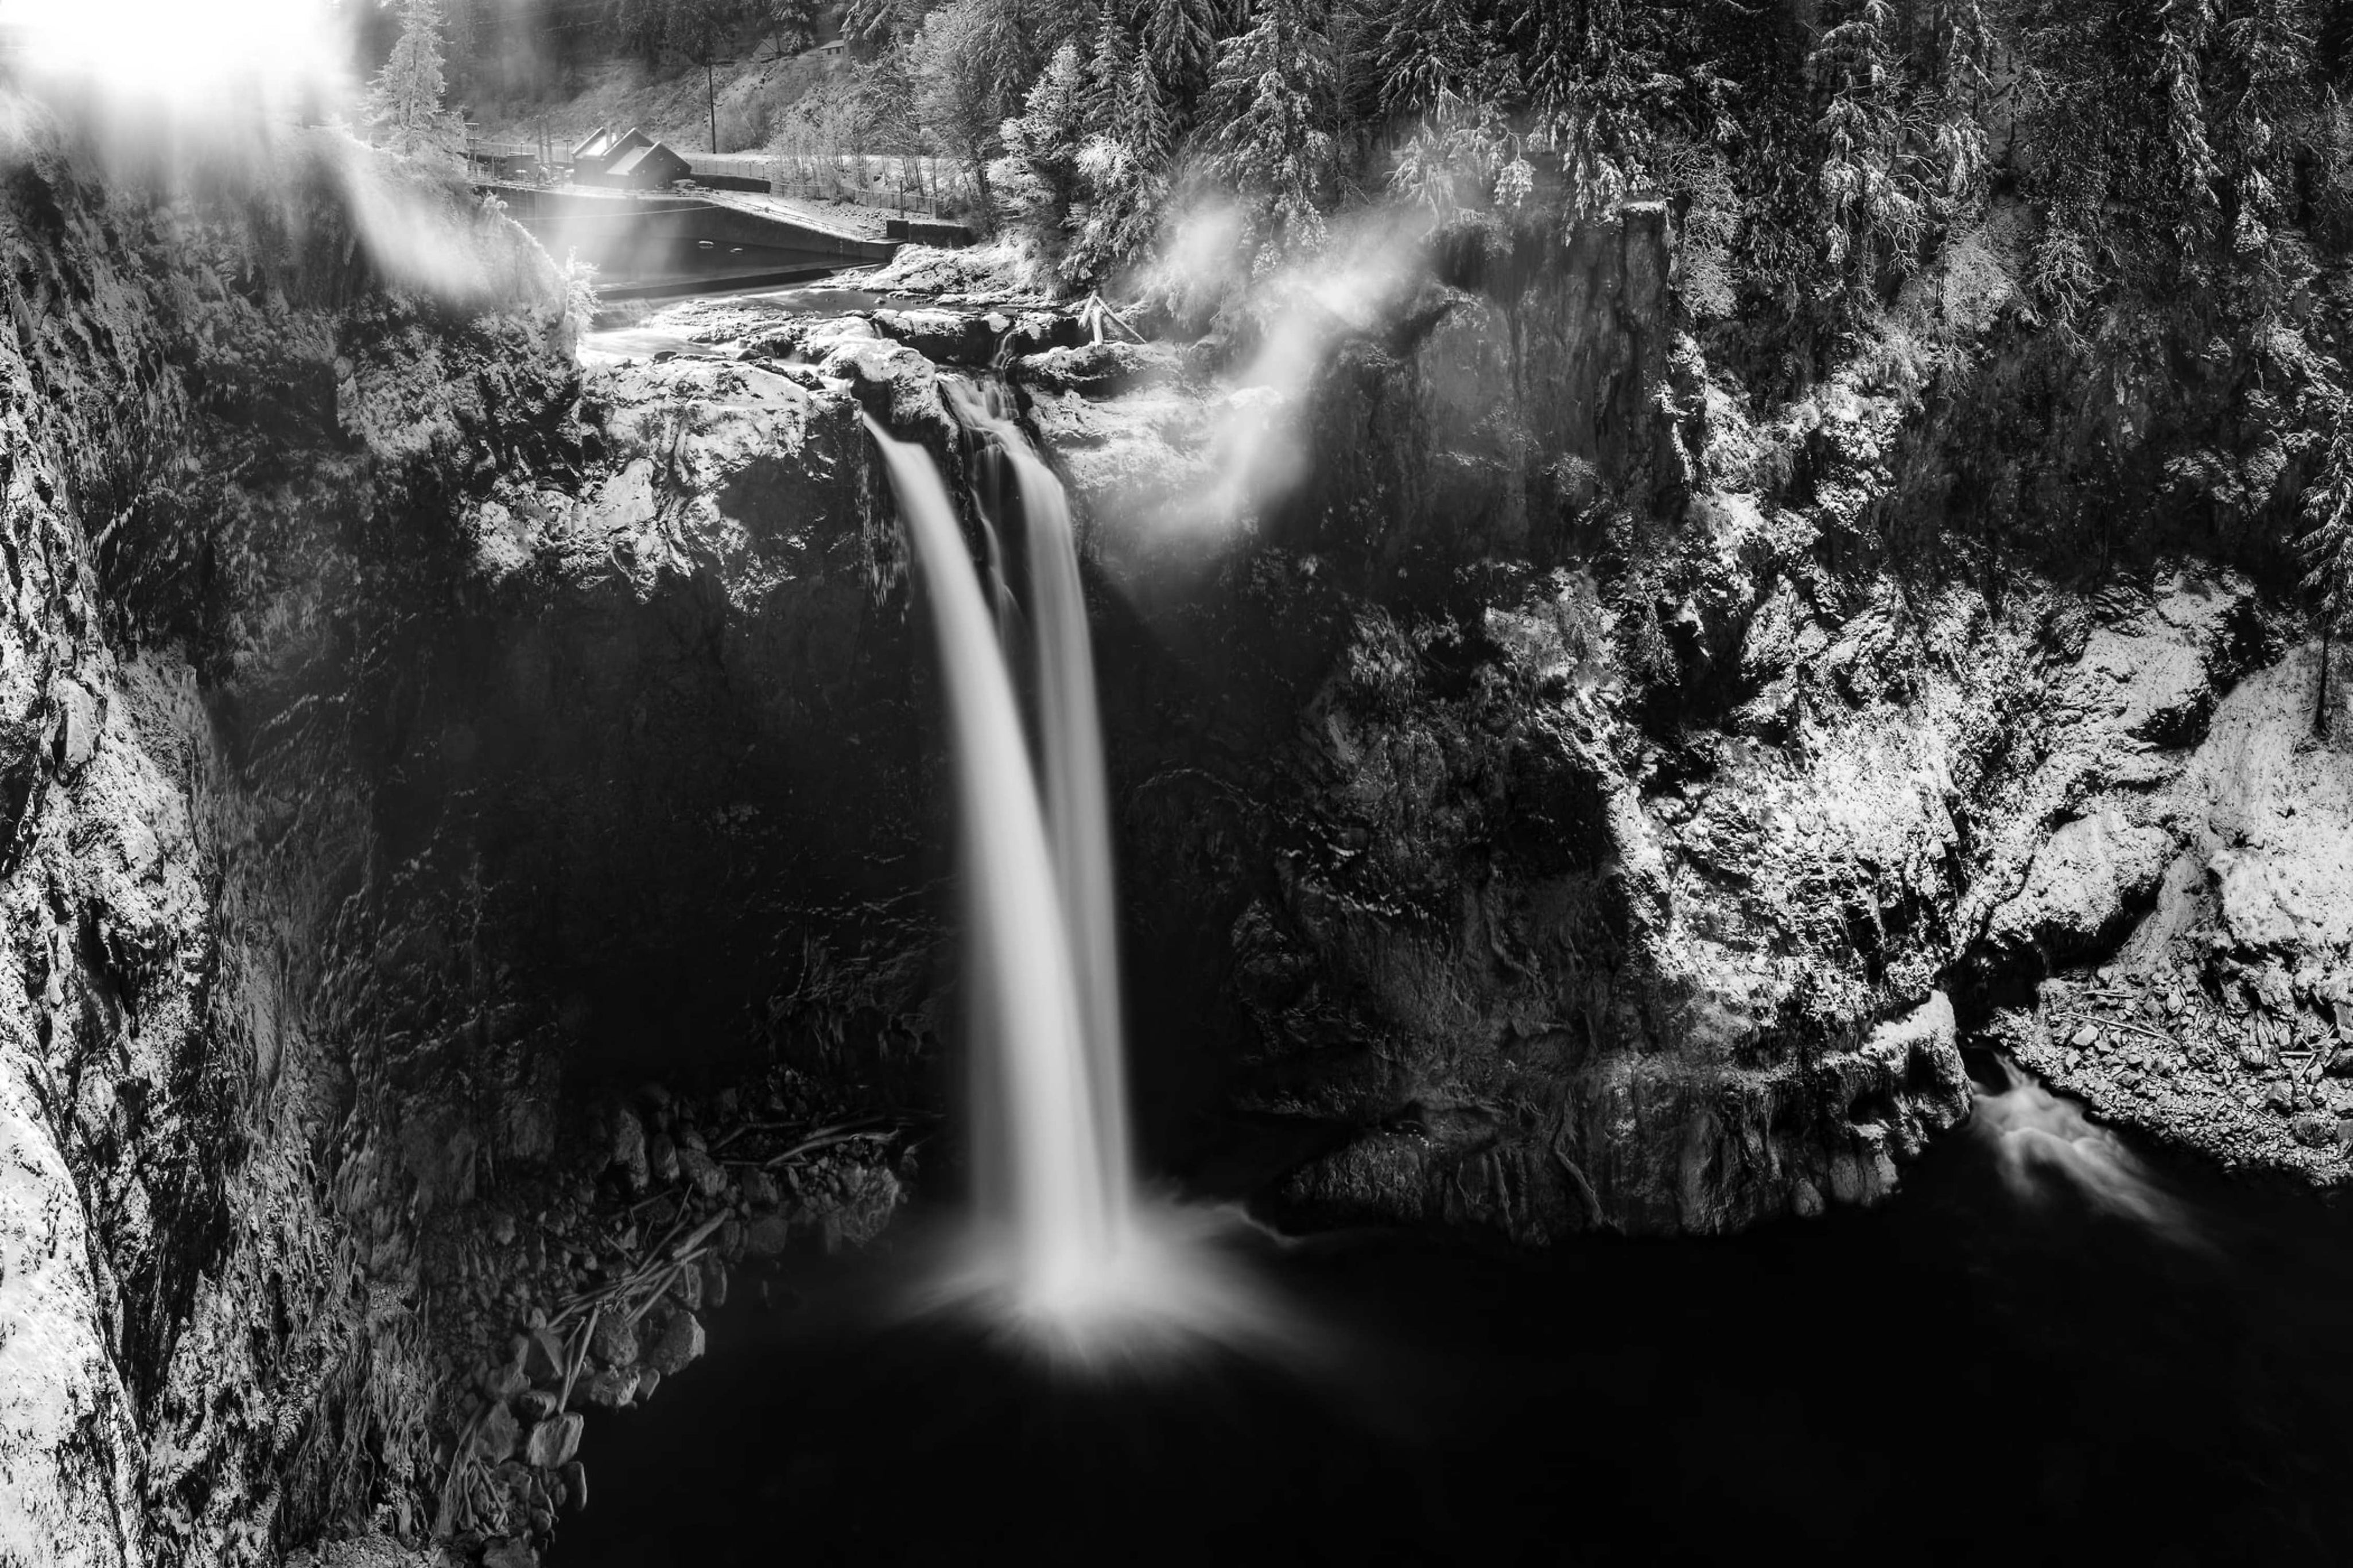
(638, 160)
(606, 147)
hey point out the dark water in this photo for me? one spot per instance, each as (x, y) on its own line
(1975, 1375)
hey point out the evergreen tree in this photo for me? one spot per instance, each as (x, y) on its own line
(2182, 29)
(1180, 39)
(1591, 63)
(1129, 173)
(404, 105)
(1264, 117)
(2327, 547)
(1108, 69)
(1039, 175)
(1871, 208)
(869, 26)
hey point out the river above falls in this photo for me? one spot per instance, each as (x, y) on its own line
(2001, 1365)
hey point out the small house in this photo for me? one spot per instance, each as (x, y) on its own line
(650, 167)
(592, 160)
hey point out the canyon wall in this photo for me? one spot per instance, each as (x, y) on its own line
(474, 841)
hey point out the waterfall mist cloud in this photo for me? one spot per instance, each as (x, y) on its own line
(208, 58)
(1291, 320)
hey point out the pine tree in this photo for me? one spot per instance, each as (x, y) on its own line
(405, 103)
(1264, 118)
(1180, 39)
(1590, 63)
(1039, 173)
(1870, 209)
(1128, 171)
(2182, 29)
(1107, 71)
(2326, 546)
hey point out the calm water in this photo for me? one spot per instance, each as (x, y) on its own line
(1976, 1374)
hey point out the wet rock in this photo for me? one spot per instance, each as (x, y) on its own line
(950, 337)
(496, 1436)
(767, 1237)
(703, 1172)
(648, 1379)
(676, 1345)
(760, 1190)
(553, 1441)
(609, 1388)
(1101, 370)
(544, 1355)
(661, 1157)
(2314, 1129)
(535, 1403)
(613, 1342)
(629, 1148)
(573, 1478)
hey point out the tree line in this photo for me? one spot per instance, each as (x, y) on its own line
(1815, 153)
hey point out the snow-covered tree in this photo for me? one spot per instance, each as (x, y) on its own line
(1039, 175)
(1128, 171)
(957, 88)
(2326, 546)
(1107, 69)
(871, 25)
(404, 105)
(1180, 39)
(1871, 205)
(1264, 117)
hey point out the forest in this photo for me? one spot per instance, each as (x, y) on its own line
(2125, 159)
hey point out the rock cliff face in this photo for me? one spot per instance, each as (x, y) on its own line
(410, 754)
(472, 848)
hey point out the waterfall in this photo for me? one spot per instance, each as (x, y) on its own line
(1062, 1247)
(1041, 1176)
(1077, 799)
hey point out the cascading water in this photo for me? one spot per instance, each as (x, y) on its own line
(1063, 1246)
(1076, 797)
(1040, 1169)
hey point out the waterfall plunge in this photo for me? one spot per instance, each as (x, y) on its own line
(1061, 1247)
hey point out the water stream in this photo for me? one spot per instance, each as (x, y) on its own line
(1062, 1247)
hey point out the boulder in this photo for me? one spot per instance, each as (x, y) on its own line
(661, 1157)
(2089, 880)
(676, 1345)
(574, 1481)
(553, 1441)
(629, 1148)
(767, 1237)
(544, 1358)
(609, 1388)
(703, 1172)
(613, 1342)
(496, 1436)
(950, 337)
